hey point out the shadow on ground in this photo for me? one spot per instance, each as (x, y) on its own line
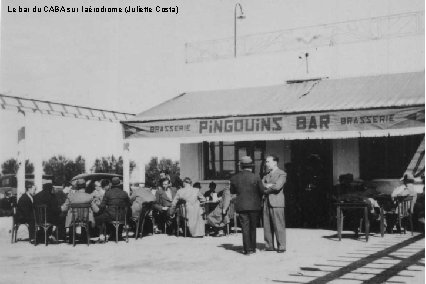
(379, 277)
(360, 237)
(239, 249)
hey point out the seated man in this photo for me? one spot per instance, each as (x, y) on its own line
(47, 196)
(98, 193)
(142, 200)
(164, 198)
(24, 211)
(405, 189)
(7, 203)
(353, 192)
(140, 197)
(218, 218)
(115, 196)
(79, 197)
(210, 194)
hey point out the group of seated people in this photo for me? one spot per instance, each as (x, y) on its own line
(166, 201)
(161, 205)
(352, 191)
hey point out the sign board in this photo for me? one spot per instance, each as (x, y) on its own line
(356, 120)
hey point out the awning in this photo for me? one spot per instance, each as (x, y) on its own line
(417, 164)
(369, 106)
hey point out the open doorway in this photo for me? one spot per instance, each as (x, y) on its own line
(312, 170)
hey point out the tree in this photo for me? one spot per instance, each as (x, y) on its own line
(11, 167)
(111, 165)
(63, 169)
(154, 167)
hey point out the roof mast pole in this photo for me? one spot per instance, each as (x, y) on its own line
(126, 167)
(20, 175)
(38, 132)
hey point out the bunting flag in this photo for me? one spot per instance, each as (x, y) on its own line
(21, 134)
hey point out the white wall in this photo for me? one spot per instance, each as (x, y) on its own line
(191, 161)
(345, 158)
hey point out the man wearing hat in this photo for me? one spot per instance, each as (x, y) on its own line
(273, 206)
(406, 188)
(249, 189)
(116, 196)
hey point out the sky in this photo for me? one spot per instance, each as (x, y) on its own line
(132, 62)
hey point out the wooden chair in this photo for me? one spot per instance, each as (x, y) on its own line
(352, 205)
(181, 214)
(80, 218)
(232, 215)
(404, 210)
(146, 209)
(163, 215)
(120, 218)
(40, 217)
(15, 225)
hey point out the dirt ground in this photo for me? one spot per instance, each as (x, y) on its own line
(312, 256)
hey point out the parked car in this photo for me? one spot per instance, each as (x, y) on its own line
(91, 178)
(9, 182)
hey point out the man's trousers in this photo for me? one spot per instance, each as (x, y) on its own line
(274, 224)
(248, 220)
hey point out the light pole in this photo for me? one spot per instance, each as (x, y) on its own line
(240, 17)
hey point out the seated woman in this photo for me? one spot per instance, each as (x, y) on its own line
(80, 196)
(218, 218)
(192, 198)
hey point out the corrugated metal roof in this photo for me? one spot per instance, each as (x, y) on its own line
(391, 90)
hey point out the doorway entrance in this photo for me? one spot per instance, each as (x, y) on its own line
(312, 164)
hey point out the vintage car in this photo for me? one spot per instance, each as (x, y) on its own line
(9, 182)
(91, 178)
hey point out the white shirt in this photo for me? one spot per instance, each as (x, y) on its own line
(169, 193)
(30, 196)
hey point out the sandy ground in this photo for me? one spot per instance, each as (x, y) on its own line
(313, 256)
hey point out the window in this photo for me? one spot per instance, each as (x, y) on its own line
(387, 157)
(5, 182)
(221, 158)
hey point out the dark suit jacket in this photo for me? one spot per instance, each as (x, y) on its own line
(115, 197)
(24, 211)
(162, 200)
(249, 190)
(53, 207)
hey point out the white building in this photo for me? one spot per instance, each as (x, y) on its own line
(359, 110)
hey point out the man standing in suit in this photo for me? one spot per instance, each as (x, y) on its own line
(248, 188)
(24, 211)
(273, 206)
